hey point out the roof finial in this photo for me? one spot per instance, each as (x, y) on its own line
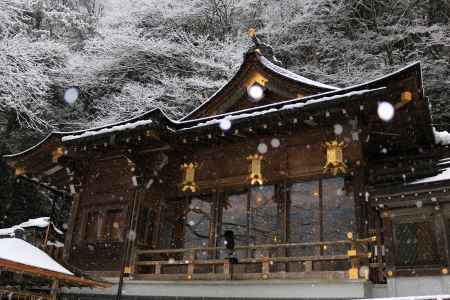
(252, 34)
(260, 47)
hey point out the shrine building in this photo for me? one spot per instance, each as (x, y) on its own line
(328, 192)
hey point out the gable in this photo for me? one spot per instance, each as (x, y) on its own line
(278, 83)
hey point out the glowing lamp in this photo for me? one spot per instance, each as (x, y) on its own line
(406, 96)
(57, 153)
(20, 171)
(255, 92)
(335, 161)
(188, 183)
(255, 176)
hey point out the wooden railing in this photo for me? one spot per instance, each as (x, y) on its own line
(325, 260)
(6, 294)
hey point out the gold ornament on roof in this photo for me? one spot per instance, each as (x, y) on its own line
(335, 158)
(251, 32)
(188, 183)
(255, 176)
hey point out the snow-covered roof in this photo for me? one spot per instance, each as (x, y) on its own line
(444, 173)
(122, 127)
(41, 222)
(294, 105)
(291, 75)
(19, 251)
(441, 137)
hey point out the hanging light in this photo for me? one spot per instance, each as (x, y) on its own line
(255, 169)
(57, 153)
(406, 96)
(335, 161)
(19, 171)
(255, 92)
(188, 183)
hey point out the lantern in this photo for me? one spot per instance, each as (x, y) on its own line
(335, 162)
(57, 153)
(255, 169)
(188, 183)
(19, 171)
(406, 96)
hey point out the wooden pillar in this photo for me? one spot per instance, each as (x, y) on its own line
(70, 230)
(54, 290)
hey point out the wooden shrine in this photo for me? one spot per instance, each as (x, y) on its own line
(310, 179)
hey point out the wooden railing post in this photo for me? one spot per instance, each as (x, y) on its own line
(265, 267)
(191, 266)
(353, 272)
(158, 268)
(227, 269)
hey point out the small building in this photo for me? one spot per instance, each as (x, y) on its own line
(329, 192)
(27, 272)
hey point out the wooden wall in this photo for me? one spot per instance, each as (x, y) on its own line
(108, 185)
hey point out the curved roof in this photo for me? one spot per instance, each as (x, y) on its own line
(255, 57)
(156, 116)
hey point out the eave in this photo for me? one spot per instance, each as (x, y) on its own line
(39, 272)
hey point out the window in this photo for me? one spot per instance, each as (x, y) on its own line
(234, 218)
(114, 225)
(319, 210)
(253, 216)
(197, 224)
(338, 213)
(92, 226)
(145, 229)
(304, 215)
(415, 245)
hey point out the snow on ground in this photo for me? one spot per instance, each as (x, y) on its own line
(19, 251)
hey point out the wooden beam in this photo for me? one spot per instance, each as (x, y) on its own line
(39, 272)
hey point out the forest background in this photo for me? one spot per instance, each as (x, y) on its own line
(128, 56)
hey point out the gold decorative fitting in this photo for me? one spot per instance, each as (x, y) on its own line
(374, 238)
(335, 158)
(20, 171)
(127, 270)
(255, 169)
(369, 254)
(351, 253)
(444, 271)
(390, 273)
(256, 78)
(57, 153)
(406, 96)
(353, 273)
(350, 235)
(188, 183)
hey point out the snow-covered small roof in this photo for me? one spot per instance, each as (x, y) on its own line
(41, 222)
(441, 137)
(271, 109)
(19, 251)
(291, 75)
(122, 127)
(444, 173)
